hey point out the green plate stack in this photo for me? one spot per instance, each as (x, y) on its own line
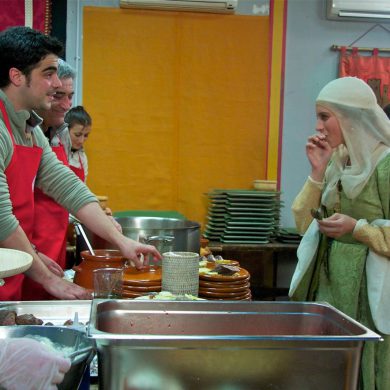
(243, 216)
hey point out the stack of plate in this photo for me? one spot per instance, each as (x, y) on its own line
(289, 236)
(141, 282)
(222, 287)
(243, 216)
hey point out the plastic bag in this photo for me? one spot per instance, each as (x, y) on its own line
(29, 364)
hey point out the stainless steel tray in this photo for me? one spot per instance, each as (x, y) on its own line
(217, 345)
(56, 312)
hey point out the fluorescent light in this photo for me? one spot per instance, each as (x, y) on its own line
(364, 15)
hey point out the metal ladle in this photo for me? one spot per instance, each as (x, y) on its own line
(80, 231)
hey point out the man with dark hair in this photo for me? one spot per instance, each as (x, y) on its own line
(28, 74)
(23, 48)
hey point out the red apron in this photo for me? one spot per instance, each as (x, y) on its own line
(20, 174)
(80, 173)
(49, 235)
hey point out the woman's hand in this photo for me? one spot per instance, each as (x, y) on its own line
(51, 264)
(318, 152)
(337, 225)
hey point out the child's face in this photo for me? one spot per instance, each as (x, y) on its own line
(78, 135)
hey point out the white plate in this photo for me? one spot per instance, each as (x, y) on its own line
(13, 262)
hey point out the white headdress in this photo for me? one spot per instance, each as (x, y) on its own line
(366, 131)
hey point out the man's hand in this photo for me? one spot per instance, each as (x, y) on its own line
(63, 289)
(138, 253)
(51, 264)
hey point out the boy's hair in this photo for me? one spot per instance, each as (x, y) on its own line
(78, 115)
(23, 48)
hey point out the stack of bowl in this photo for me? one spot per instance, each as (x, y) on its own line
(141, 282)
(225, 287)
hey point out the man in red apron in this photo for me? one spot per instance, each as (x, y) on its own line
(19, 92)
(28, 81)
(51, 219)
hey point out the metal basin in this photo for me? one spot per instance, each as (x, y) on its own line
(63, 336)
(166, 234)
(220, 345)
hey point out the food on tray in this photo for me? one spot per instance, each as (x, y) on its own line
(7, 317)
(228, 268)
(168, 296)
(223, 269)
(228, 262)
(28, 319)
(206, 270)
(10, 317)
(203, 263)
(242, 274)
(52, 346)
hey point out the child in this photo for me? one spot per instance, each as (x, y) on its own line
(79, 123)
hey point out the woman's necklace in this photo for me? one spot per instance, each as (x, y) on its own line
(337, 206)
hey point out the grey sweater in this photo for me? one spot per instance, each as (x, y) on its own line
(53, 178)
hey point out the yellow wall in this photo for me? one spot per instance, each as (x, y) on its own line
(179, 104)
(276, 81)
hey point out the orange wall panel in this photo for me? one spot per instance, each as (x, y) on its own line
(179, 104)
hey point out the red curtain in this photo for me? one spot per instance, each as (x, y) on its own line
(13, 13)
(374, 70)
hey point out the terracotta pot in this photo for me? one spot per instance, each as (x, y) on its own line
(104, 258)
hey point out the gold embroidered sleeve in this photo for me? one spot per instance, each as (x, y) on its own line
(376, 238)
(308, 198)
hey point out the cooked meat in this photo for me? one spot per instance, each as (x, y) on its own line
(226, 269)
(68, 323)
(7, 317)
(28, 319)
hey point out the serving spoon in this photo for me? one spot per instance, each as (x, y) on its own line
(80, 231)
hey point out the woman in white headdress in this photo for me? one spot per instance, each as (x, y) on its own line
(344, 255)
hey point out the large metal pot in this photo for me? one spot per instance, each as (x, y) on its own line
(166, 234)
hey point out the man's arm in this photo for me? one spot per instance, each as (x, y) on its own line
(96, 220)
(40, 273)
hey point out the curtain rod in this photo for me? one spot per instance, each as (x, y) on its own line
(337, 47)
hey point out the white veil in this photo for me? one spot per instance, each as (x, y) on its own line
(366, 131)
